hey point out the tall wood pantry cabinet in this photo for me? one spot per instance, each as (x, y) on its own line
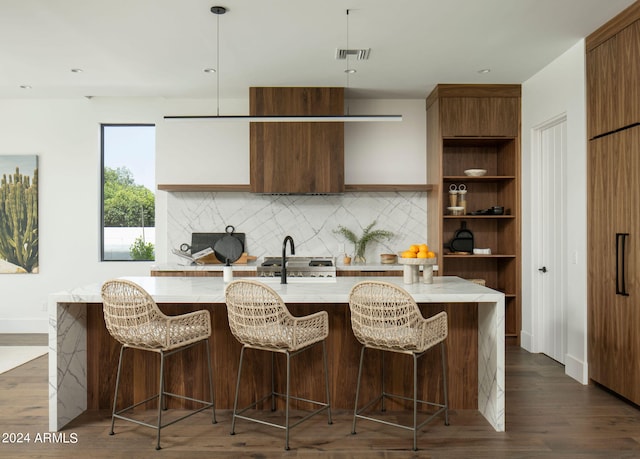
(478, 127)
(613, 82)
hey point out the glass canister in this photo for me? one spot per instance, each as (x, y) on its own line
(462, 198)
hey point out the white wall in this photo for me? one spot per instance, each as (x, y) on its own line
(559, 88)
(65, 134)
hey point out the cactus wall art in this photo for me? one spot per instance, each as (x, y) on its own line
(19, 214)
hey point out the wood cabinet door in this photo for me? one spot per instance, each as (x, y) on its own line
(602, 65)
(613, 80)
(297, 157)
(614, 343)
(629, 58)
(480, 116)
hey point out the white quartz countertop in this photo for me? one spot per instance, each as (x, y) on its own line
(211, 290)
(252, 266)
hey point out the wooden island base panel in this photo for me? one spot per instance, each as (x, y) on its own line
(83, 357)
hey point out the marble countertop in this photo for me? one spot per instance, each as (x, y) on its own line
(252, 266)
(211, 290)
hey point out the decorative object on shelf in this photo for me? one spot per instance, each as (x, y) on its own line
(462, 240)
(462, 198)
(475, 172)
(457, 199)
(388, 258)
(18, 214)
(495, 210)
(453, 195)
(482, 251)
(360, 244)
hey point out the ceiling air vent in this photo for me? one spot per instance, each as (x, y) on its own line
(360, 54)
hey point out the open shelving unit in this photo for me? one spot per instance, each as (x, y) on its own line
(491, 142)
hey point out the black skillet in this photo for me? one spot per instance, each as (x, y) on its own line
(228, 247)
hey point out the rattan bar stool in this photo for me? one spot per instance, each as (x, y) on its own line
(133, 318)
(385, 317)
(259, 319)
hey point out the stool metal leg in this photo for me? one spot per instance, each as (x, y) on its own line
(273, 383)
(445, 389)
(211, 391)
(160, 398)
(286, 441)
(235, 402)
(326, 380)
(355, 409)
(115, 397)
(415, 402)
(383, 408)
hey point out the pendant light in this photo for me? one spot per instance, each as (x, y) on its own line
(220, 10)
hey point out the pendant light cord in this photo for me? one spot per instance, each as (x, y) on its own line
(218, 65)
(346, 70)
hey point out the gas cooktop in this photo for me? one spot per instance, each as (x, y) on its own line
(298, 267)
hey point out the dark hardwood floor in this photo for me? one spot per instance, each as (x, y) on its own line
(548, 415)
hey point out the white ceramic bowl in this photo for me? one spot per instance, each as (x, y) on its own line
(455, 210)
(475, 172)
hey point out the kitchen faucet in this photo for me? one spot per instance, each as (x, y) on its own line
(283, 270)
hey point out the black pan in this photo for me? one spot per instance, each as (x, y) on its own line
(228, 247)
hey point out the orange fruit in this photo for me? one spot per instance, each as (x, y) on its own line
(414, 248)
(431, 255)
(422, 254)
(424, 248)
(408, 254)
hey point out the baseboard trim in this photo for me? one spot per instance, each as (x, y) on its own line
(526, 341)
(24, 326)
(576, 368)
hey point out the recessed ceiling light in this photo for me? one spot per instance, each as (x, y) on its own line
(484, 70)
(209, 70)
(77, 70)
(25, 86)
(350, 71)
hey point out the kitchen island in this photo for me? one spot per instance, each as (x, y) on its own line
(83, 357)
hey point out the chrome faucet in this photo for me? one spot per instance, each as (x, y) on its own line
(283, 269)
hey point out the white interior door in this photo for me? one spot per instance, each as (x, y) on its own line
(549, 285)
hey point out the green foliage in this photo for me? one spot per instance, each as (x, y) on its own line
(368, 235)
(140, 250)
(19, 220)
(125, 203)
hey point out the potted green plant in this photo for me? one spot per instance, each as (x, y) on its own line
(360, 243)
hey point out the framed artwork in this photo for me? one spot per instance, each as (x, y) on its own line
(18, 214)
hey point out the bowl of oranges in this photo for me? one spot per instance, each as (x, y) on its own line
(417, 254)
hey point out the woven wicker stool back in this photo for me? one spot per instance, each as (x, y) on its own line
(258, 317)
(385, 316)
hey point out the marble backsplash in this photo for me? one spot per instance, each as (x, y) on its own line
(309, 219)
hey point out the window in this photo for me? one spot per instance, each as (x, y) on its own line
(128, 185)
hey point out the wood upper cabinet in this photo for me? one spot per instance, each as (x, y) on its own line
(298, 157)
(613, 81)
(478, 110)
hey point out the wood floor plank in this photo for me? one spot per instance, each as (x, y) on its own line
(548, 415)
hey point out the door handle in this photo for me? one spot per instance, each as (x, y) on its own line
(621, 274)
(543, 269)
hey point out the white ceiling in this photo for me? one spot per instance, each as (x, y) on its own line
(159, 48)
